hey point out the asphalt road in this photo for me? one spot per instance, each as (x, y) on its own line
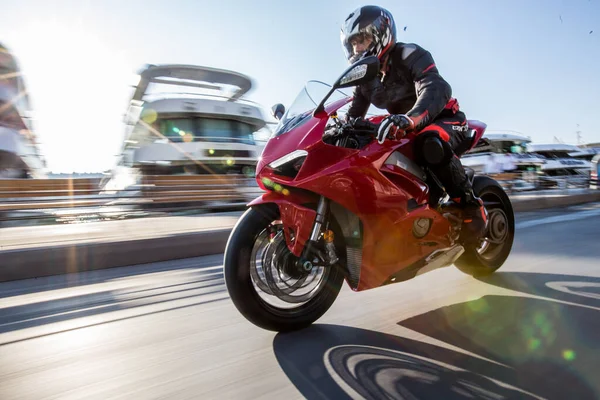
(169, 331)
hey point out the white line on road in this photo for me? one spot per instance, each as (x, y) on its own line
(557, 218)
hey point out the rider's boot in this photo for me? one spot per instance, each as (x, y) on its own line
(464, 204)
(473, 215)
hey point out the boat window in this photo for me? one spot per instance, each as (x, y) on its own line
(511, 147)
(207, 130)
(215, 130)
(178, 130)
(225, 131)
(554, 154)
(516, 149)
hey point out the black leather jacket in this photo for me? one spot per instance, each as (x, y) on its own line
(412, 85)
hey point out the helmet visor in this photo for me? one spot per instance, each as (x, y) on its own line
(358, 45)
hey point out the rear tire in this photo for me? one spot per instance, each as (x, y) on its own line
(491, 255)
(239, 278)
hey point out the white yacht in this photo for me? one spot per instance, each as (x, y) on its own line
(583, 153)
(190, 120)
(20, 156)
(595, 173)
(499, 153)
(560, 160)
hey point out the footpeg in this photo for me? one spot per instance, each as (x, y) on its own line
(452, 218)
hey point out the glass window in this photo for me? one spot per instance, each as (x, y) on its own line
(206, 130)
(243, 132)
(216, 130)
(510, 147)
(178, 130)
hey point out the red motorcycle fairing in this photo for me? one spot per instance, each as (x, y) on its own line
(479, 128)
(304, 137)
(295, 218)
(386, 197)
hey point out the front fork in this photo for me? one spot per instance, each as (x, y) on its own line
(312, 246)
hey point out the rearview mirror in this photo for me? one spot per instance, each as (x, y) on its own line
(358, 73)
(278, 110)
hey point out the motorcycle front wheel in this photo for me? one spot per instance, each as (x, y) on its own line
(265, 282)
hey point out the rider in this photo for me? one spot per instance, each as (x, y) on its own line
(419, 101)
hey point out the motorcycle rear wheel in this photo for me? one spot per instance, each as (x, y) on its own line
(258, 281)
(500, 233)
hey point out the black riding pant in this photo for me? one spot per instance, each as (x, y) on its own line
(439, 146)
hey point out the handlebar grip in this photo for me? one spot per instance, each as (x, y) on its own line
(364, 124)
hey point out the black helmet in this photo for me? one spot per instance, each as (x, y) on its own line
(368, 21)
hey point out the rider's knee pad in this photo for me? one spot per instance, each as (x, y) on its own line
(432, 150)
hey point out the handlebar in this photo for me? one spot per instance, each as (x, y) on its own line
(357, 127)
(364, 125)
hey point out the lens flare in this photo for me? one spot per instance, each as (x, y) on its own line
(149, 115)
(534, 344)
(569, 355)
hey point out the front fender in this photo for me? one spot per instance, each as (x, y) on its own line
(297, 220)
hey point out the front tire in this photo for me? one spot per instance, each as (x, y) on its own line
(254, 288)
(500, 233)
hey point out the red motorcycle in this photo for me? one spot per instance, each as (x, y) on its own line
(339, 206)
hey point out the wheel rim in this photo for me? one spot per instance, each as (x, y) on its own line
(275, 279)
(498, 227)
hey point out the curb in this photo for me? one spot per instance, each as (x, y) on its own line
(544, 202)
(59, 260)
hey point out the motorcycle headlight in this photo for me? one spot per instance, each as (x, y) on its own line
(290, 164)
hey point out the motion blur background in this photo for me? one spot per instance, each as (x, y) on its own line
(129, 136)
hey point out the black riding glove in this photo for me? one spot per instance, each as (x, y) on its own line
(393, 125)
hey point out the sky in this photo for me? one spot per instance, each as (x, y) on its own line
(526, 66)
